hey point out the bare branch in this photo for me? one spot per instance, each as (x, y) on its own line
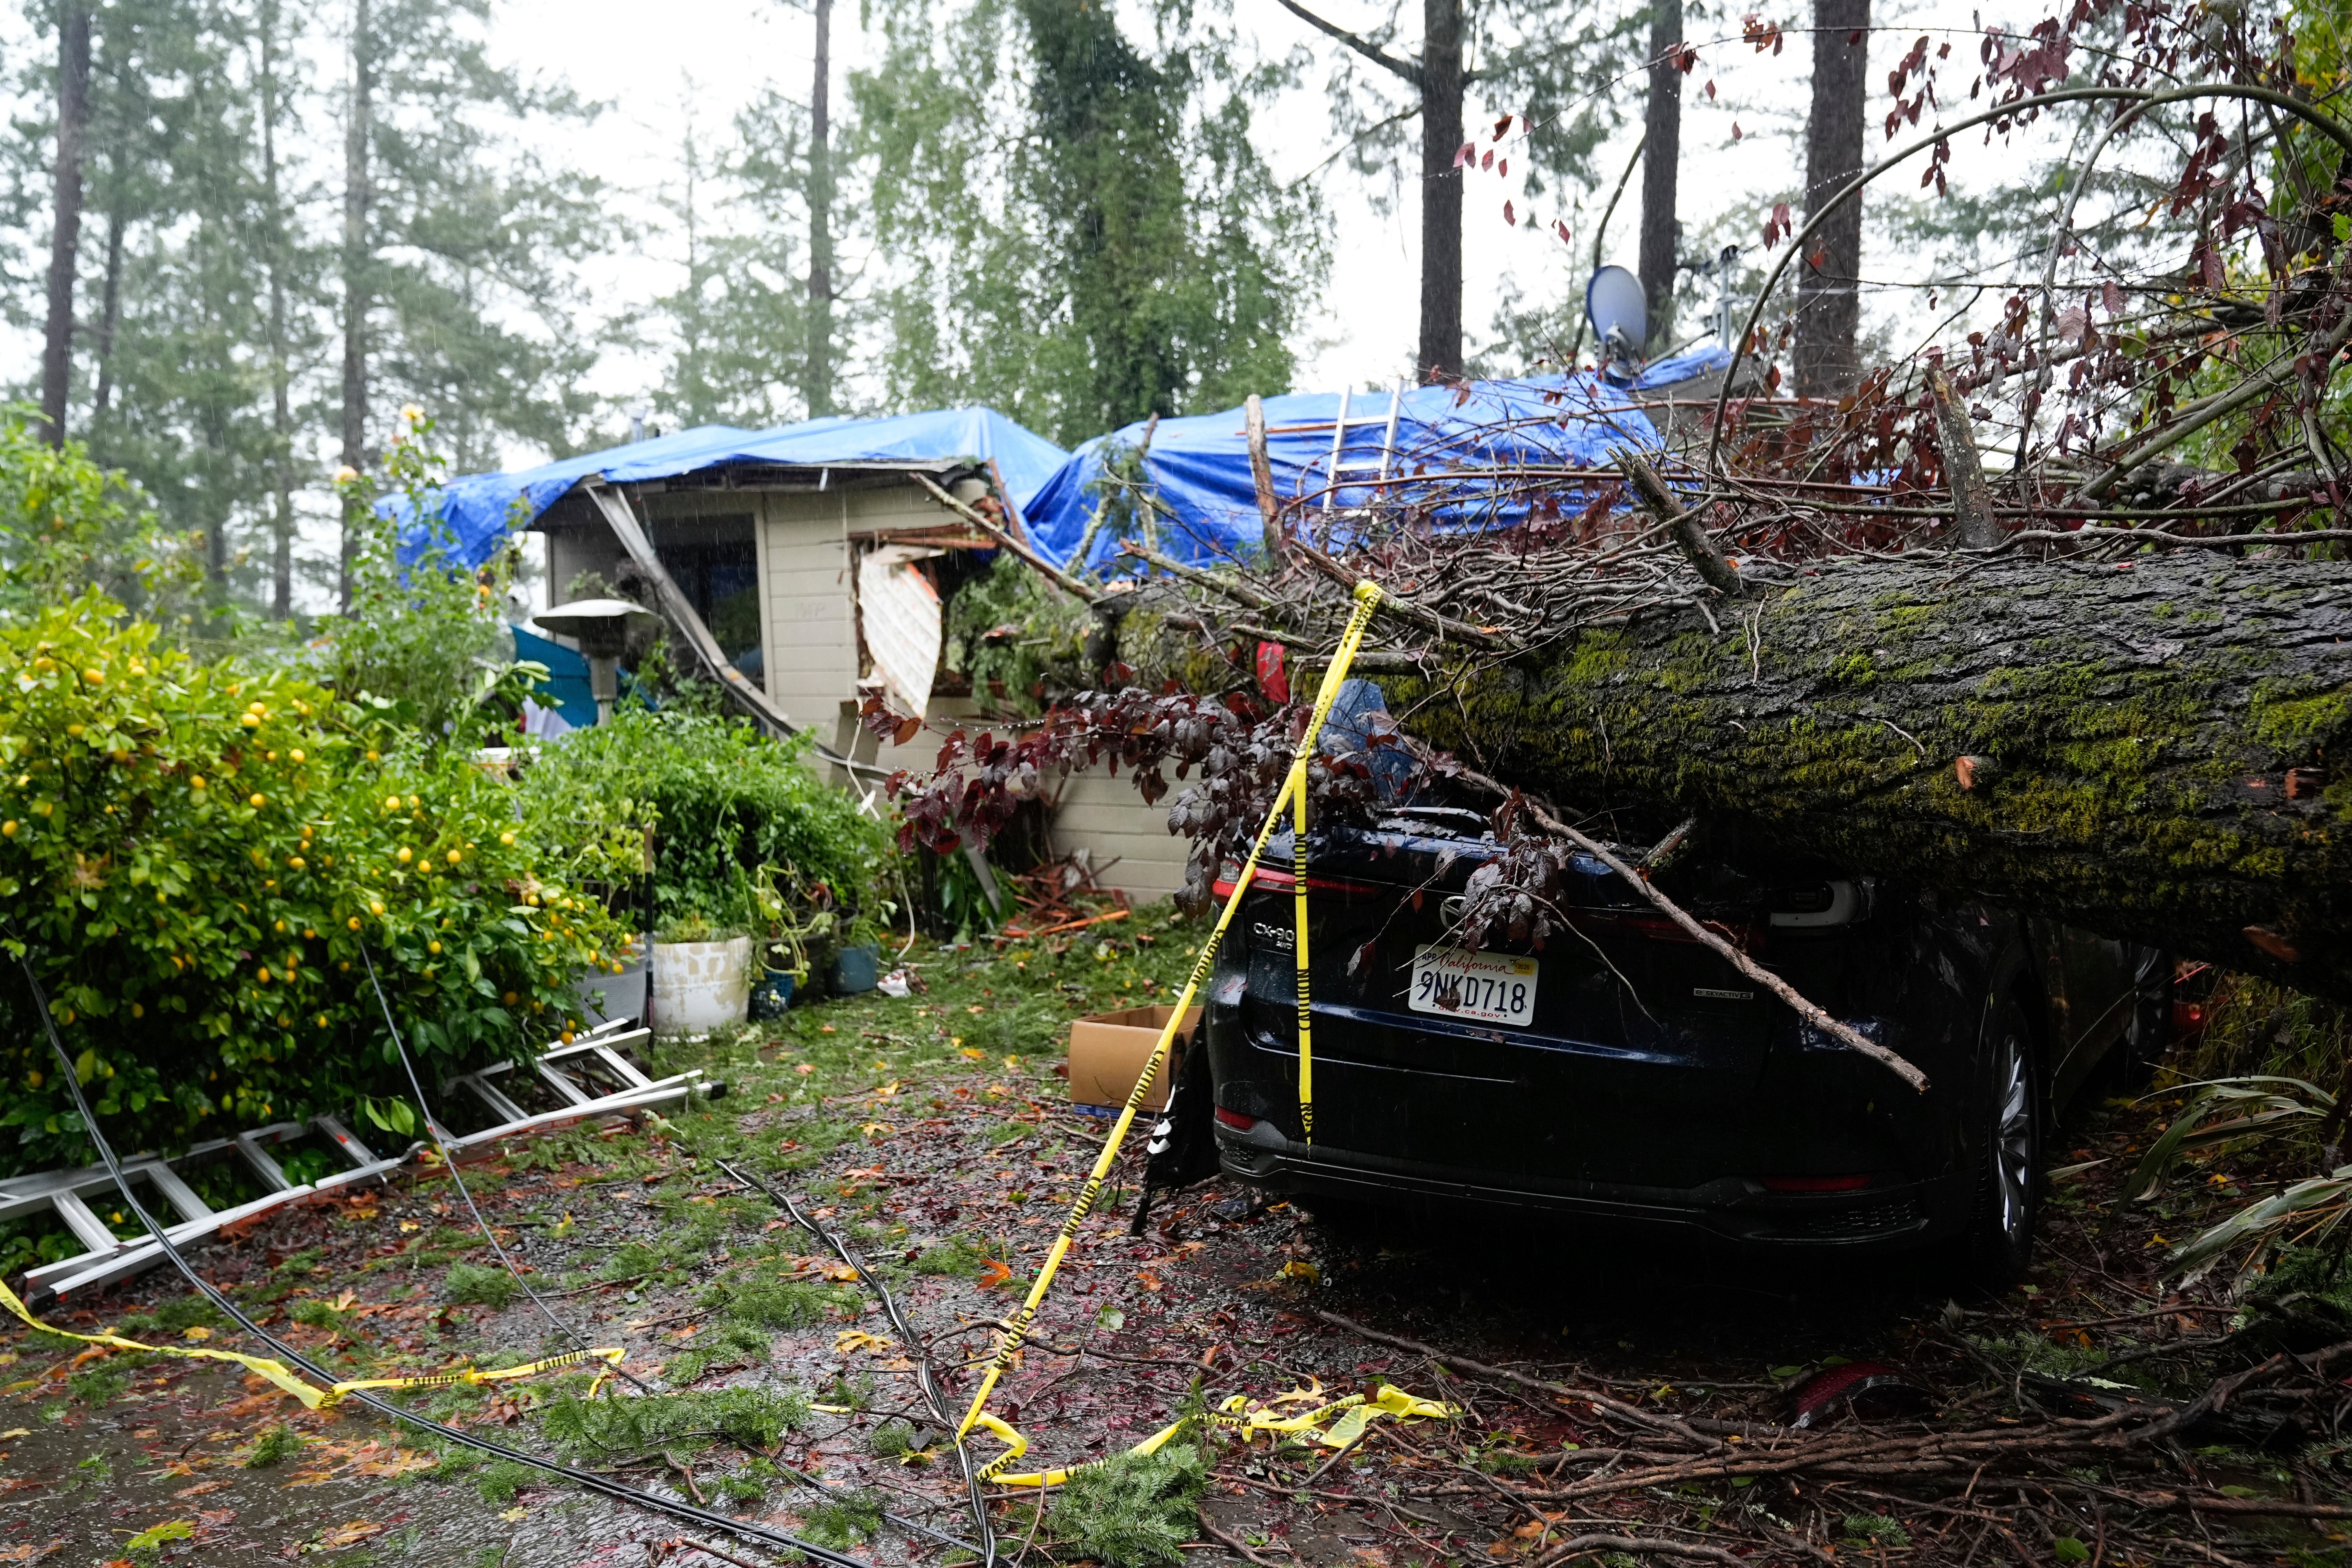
(1370, 51)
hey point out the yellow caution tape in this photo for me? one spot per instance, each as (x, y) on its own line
(317, 1398)
(1354, 1413)
(1015, 1332)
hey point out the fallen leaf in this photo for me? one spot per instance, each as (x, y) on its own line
(200, 1489)
(15, 1432)
(515, 1515)
(155, 1535)
(342, 1535)
(994, 1273)
(28, 1553)
(1300, 1269)
(198, 1331)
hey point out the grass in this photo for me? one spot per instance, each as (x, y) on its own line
(315, 1314)
(274, 1446)
(468, 1285)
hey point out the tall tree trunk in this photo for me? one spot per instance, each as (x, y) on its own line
(1829, 301)
(65, 232)
(1661, 150)
(816, 386)
(1441, 190)
(281, 417)
(356, 137)
(110, 317)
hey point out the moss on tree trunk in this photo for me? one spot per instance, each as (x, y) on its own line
(2157, 751)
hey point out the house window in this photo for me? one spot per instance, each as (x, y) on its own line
(715, 561)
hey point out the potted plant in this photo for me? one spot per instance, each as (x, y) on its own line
(701, 975)
(785, 945)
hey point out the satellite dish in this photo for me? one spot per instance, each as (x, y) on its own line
(1618, 308)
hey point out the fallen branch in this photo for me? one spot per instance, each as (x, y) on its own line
(1084, 591)
(1230, 1542)
(1638, 1544)
(1844, 1034)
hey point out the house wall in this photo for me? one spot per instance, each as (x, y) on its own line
(809, 629)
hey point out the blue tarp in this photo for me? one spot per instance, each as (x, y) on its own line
(481, 511)
(566, 690)
(1200, 465)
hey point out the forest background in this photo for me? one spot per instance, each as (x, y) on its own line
(558, 227)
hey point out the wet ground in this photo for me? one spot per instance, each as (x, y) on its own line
(934, 1131)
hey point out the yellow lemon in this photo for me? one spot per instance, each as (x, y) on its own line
(33, 1079)
(406, 854)
(296, 754)
(390, 802)
(375, 907)
(256, 800)
(295, 861)
(353, 922)
(431, 947)
(510, 998)
(195, 780)
(8, 828)
(249, 721)
(506, 838)
(455, 856)
(265, 975)
(322, 1020)
(138, 1011)
(95, 676)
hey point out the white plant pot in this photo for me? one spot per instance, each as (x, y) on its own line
(698, 986)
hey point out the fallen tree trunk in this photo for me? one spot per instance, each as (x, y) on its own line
(2157, 751)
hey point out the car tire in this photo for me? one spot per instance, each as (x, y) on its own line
(2009, 1122)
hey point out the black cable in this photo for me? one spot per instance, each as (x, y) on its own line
(775, 1539)
(925, 1371)
(449, 1163)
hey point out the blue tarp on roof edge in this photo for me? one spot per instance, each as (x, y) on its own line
(480, 511)
(1200, 465)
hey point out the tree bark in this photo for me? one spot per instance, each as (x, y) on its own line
(281, 414)
(817, 379)
(1662, 145)
(1441, 191)
(1829, 302)
(2162, 754)
(110, 318)
(65, 232)
(357, 134)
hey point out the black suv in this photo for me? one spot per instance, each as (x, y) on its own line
(1626, 1073)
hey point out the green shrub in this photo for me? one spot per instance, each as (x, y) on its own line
(723, 801)
(212, 965)
(469, 1285)
(1132, 1511)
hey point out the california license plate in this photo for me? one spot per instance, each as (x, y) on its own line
(1492, 987)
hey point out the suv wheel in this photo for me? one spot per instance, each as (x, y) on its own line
(2010, 1117)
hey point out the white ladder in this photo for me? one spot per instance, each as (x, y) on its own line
(1378, 468)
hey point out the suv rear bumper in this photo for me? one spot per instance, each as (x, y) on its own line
(1892, 1216)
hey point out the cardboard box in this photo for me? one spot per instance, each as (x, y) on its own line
(1108, 1051)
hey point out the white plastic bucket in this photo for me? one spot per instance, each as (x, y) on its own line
(700, 986)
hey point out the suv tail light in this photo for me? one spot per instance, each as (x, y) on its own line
(1266, 879)
(1815, 1183)
(1235, 1120)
